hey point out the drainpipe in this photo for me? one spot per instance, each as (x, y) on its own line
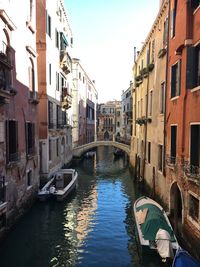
(166, 85)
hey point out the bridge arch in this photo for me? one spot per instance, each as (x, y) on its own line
(80, 150)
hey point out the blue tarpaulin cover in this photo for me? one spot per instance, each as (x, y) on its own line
(184, 259)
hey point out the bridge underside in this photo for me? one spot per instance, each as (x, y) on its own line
(79, 151)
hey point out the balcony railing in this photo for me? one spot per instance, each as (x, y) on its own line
(191, 171)
(12, 157)
(31, 151)
(171, 161)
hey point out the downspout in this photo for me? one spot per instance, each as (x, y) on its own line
(166, 91)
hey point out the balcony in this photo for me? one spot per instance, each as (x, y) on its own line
(192, 172)
(33, 98)
(13, 157)
(65, 62)
(171, 161)
(66, 98)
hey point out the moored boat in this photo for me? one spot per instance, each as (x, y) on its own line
(65, 182)
(184, 259)
(60, 185)
(154, 229)
(45, 192)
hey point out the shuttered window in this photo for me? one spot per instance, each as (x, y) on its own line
(173, 144)
(30, 138)
(195, 146)
(193, 67)
(12, 141)
(50, 113)
(176, 79)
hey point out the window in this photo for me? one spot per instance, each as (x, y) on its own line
(165, 33)
(50, 113)
(2, 189)
(56, 38)
(193, 67)
(31, 74)
(49, 73)
(59, 117)
(153, 52)
(30, 10)
(30, 138)
(194, 148)
(29, 178)
(57, 81)
(173, 19)
(194, 207)
(173, 144)
(160, 157)
(57, 147)
(195, 3)
(149, 152)
(118, 124)
(162, 98)
(79, 75)
(48, 27)
(12, 141)
(50, 150)
(175, 79)
(150, 103)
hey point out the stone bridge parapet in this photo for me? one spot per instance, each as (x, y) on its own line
(80, 150)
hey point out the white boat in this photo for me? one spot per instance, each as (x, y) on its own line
(45, 192)
(154, 229)
(65, 182)
(60, 185)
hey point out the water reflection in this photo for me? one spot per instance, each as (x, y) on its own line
(94, 227)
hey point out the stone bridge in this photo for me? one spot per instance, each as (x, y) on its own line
(78, 151)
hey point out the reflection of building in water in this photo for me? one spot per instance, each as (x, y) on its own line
(79, 221)
(85, 216)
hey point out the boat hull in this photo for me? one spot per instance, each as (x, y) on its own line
(149, 245)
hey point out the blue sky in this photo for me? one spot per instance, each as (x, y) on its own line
(105, 33)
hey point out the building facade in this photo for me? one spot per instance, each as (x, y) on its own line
(127, 109)
(108, 120)
(84, 106)
(183, 120)
(19, 164)
(54, 43)
(149, 70)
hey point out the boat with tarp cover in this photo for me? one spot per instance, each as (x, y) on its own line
(154, 229)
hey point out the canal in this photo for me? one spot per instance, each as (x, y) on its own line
(93, 227)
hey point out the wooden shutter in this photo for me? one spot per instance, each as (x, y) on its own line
(190, 68)
(178, 78)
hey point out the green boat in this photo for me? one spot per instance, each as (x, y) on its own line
(154, 229)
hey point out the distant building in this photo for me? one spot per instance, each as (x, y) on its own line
(84, 105)
(19, 164)
(54, 42)
(108, 120)
(127, 110)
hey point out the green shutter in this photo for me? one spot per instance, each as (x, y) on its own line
(179, 78)
(190, 69)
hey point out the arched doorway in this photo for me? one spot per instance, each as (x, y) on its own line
(176, 207)
(106, 135)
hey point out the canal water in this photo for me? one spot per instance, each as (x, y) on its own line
(93, 227)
